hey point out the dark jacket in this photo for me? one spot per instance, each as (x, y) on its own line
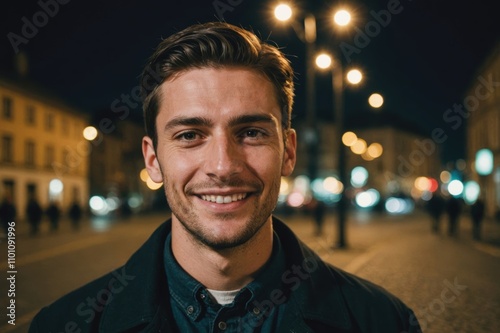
(134, 298)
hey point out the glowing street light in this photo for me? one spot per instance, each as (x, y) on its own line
(283, 12)
(376, 100)
(342, 17)
(323, 61)
(90, 133)
(354, 76)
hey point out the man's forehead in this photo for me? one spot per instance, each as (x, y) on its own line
(220, 91)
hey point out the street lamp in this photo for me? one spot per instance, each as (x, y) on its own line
(376, 100)
(354, 77)
(90, 133)
(342, 17)
(307, 34)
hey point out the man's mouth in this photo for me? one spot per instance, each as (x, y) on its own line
(224, 199)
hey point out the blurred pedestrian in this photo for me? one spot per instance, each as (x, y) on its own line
(435, 207)
(54, 214)
(477, 215)
(75, 215)
(7, 213)
(318, 210)
(34, 214)
(453, 208)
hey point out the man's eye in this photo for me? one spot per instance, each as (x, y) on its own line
(188, 136)
(252, 133)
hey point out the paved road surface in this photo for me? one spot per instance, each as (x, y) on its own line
(452, 284)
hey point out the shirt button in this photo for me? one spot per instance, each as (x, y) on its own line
(190, 309)
(256, 311)
(202, 296)
(222, 325)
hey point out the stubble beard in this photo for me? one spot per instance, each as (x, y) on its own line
(199, 230)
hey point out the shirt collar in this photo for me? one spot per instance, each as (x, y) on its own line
(183, 288)
(191, 294)
(268, 278)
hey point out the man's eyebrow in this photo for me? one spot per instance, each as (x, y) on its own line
(188, 121)
(251, 118)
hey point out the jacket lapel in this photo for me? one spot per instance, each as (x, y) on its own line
(145, 302)
(316, 295)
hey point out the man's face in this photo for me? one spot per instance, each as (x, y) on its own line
(221, 153)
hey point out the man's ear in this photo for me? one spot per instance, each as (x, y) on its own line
(150, 160)
(290, 155)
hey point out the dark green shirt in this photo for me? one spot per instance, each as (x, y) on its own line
(258, 307)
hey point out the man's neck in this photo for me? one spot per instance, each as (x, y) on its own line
(227, 269)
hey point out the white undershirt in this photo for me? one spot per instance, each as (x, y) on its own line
(224, 297)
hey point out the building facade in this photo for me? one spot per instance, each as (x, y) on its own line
(482, 103)
(116, 161)
(406, 154)
(43, 153)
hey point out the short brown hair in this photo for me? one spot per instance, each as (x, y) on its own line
(214, 44)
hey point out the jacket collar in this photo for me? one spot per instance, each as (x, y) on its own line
(145, 300)
(315, 282)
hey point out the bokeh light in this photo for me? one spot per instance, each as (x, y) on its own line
(349, 138)
(359, 147)
(90, 133)
(323, 61)
(342, 17)
(359, 176)
(376, 100)
(354, 76)
(283, 12)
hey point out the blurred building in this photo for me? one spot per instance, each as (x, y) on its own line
(116, 161)
(43, 152)
(482, 107)
(403, 153)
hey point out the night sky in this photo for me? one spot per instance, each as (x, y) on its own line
(91, 52)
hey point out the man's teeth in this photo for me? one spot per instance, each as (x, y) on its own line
(224, 198)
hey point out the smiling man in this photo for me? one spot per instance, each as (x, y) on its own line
(217, 104)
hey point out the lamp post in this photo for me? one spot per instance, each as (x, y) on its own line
(307, 34)
(354, 76)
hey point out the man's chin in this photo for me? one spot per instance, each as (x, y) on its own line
(224, 243)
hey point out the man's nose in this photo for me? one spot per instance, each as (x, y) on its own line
(224, 158)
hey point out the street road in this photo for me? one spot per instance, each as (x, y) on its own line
(452, 284)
